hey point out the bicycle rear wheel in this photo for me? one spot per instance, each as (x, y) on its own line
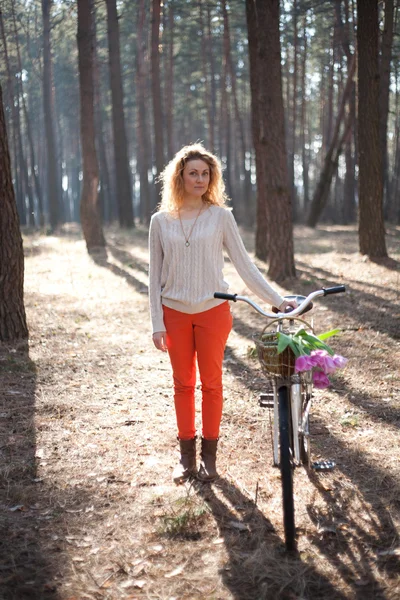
(286, 468)
(305, 451)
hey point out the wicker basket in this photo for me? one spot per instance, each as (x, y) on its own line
(272, 363)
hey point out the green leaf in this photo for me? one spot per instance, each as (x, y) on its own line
(328, 334)
(283, 341)
(316, 343)
(295, 348)
(303, 347)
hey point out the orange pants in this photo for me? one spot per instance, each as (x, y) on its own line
(204, 334)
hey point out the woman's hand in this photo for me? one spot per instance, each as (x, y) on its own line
(286, 303)
(160, 340)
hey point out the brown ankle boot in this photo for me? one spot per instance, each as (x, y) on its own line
(187, 463)
(208, 469)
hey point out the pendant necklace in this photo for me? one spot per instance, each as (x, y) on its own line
(187, 243)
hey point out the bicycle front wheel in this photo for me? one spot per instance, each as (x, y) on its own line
(286, 468)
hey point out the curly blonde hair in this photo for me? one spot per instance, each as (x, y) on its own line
(172, 188)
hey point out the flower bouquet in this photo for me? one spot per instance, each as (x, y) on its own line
(312, 353)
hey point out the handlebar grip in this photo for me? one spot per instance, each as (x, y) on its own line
(334, 290)
(223, 296)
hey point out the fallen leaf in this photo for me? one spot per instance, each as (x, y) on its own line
(20, 507)
(175, 572)
(392, 552)
(137, 583)
(327, 529)
(238, 525)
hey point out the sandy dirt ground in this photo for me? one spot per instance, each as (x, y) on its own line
(88, 440)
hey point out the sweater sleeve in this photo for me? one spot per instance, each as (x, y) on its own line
(155, 268)
(243, 264)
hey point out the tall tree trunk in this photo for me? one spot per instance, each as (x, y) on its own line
(303, 120)
(395, 180)
(143, 138)
(26, 184)
(384, 89)
(371, 228)
(207, 77)
(262, 229)
(238, 116)
(12, 93)
(213, 87)
(224, 129)
(272, 141)
(169, 84)
(321, 193)
(105, 186)
(349, 189)
(53, 184)
(121, 155)
(12, 311)
(156, 90)
(293, 136)
(90, 212)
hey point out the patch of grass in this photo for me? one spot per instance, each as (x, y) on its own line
(349, 420)
(252, 352)
(184, 518)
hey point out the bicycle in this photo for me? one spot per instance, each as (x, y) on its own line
(292, 395)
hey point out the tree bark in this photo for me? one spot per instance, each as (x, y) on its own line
(293, 133)
(384, 90)
(238, 118)
(169, 84)
(16, 146)
(303, 122)
(53, 184)
(12, 311)
(36, 180)
(262, 229)
(371, 228)
(121, 155)
(205, 41)
(90, 211)
(224, 107)
(272, 141)
(156, 90)
(105, 196)
(143, 139)
(213, 87)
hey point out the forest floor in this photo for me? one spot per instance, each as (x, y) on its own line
(88, 441)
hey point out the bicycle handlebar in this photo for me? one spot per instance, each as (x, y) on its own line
(293, 313)
(334, 290)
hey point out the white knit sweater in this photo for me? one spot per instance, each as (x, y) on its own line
(185, 278)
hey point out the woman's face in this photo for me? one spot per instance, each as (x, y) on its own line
(196, 177)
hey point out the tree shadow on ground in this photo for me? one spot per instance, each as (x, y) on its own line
(354, 535)
(255, 380)
(378, 411)
(258, 568)
(25, 570)
(387, 262)
(369, 309)
(101, 260)
(129, 259)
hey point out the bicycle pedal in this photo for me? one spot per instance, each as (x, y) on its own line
(323, 465)
(266, 400)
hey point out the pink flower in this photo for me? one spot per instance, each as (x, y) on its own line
(320, 380)
(303, 363)
(340, 361)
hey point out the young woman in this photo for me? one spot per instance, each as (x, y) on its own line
(187, 238)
